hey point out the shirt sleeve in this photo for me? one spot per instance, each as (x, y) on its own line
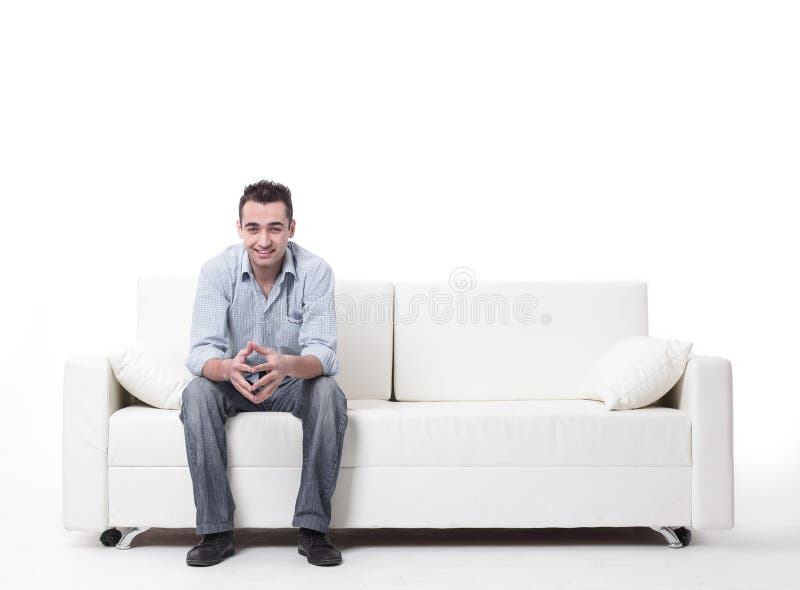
(209, 338)
(318, 332)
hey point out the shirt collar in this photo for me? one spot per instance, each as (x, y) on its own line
(288, 263)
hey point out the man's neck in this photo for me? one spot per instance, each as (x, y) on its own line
(265, 278)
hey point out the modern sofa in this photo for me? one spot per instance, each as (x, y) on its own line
(463, 412)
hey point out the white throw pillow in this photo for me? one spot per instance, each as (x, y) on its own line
(153, 374)
(635, 372)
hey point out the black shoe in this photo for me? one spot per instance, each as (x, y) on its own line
(317, 548)
(211, 549)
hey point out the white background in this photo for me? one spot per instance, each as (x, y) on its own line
(527, 141)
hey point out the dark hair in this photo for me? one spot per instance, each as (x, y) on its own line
(267, 191)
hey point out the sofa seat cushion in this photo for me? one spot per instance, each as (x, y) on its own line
(562, 433)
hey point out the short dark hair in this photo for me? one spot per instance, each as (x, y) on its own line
(267, 191)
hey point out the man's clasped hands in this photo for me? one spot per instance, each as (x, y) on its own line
(276, 367)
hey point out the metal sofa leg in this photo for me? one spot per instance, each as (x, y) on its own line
(128, 534)
(676, 537)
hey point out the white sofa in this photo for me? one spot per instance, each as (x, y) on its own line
(468, 421)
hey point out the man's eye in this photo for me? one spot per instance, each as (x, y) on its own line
(252, 230)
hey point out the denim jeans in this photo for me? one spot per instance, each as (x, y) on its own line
(319, 403)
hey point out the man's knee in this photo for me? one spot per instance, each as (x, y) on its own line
(197, 397)
(324, 392)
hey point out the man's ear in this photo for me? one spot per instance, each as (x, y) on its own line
(239, 228)
(291, 229)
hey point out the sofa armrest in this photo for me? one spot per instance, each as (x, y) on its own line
(91, 395)
(705, 392)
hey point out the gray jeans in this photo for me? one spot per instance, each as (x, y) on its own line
(319, 403)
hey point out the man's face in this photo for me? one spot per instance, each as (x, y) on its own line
(264, 229)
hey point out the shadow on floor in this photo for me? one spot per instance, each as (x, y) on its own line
(383, 537)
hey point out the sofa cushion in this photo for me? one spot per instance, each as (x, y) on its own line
(494, 340)
(561, 433)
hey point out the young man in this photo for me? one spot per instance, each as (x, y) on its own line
(264, 294)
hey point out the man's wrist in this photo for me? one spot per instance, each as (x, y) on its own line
(217, 369)
(291, 364)
(303, 367)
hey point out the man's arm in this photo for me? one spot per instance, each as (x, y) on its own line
(209, 341)
(317, 336)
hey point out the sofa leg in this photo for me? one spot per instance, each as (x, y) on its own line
(676, 537)
(128, 534)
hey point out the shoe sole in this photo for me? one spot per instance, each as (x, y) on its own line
(199, 563)
(323, 563)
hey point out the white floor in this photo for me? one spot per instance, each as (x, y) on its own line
(745, 557)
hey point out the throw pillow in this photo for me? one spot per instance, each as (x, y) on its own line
(635, 372)
(154, 374)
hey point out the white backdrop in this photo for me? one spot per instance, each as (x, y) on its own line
(526, 141)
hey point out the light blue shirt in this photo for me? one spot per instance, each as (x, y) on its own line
(297, 318)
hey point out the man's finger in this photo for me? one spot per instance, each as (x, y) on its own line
(248, 396)
(243, 392)
(238, 377)
(262, 349)
(265, 380)
(245, 352)
(261, 367)
(241, 384)
(262, 396)
(244, 368)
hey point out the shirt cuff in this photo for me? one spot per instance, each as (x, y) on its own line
(198, 358)
(330, 364)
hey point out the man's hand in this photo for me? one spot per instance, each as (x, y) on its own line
(277, 367)
(236, 368)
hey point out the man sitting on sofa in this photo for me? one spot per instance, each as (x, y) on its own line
(262, 294)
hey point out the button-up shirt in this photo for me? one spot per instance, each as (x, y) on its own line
(298, 317)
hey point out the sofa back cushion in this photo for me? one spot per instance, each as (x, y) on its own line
(507, 340)
(364, 328)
